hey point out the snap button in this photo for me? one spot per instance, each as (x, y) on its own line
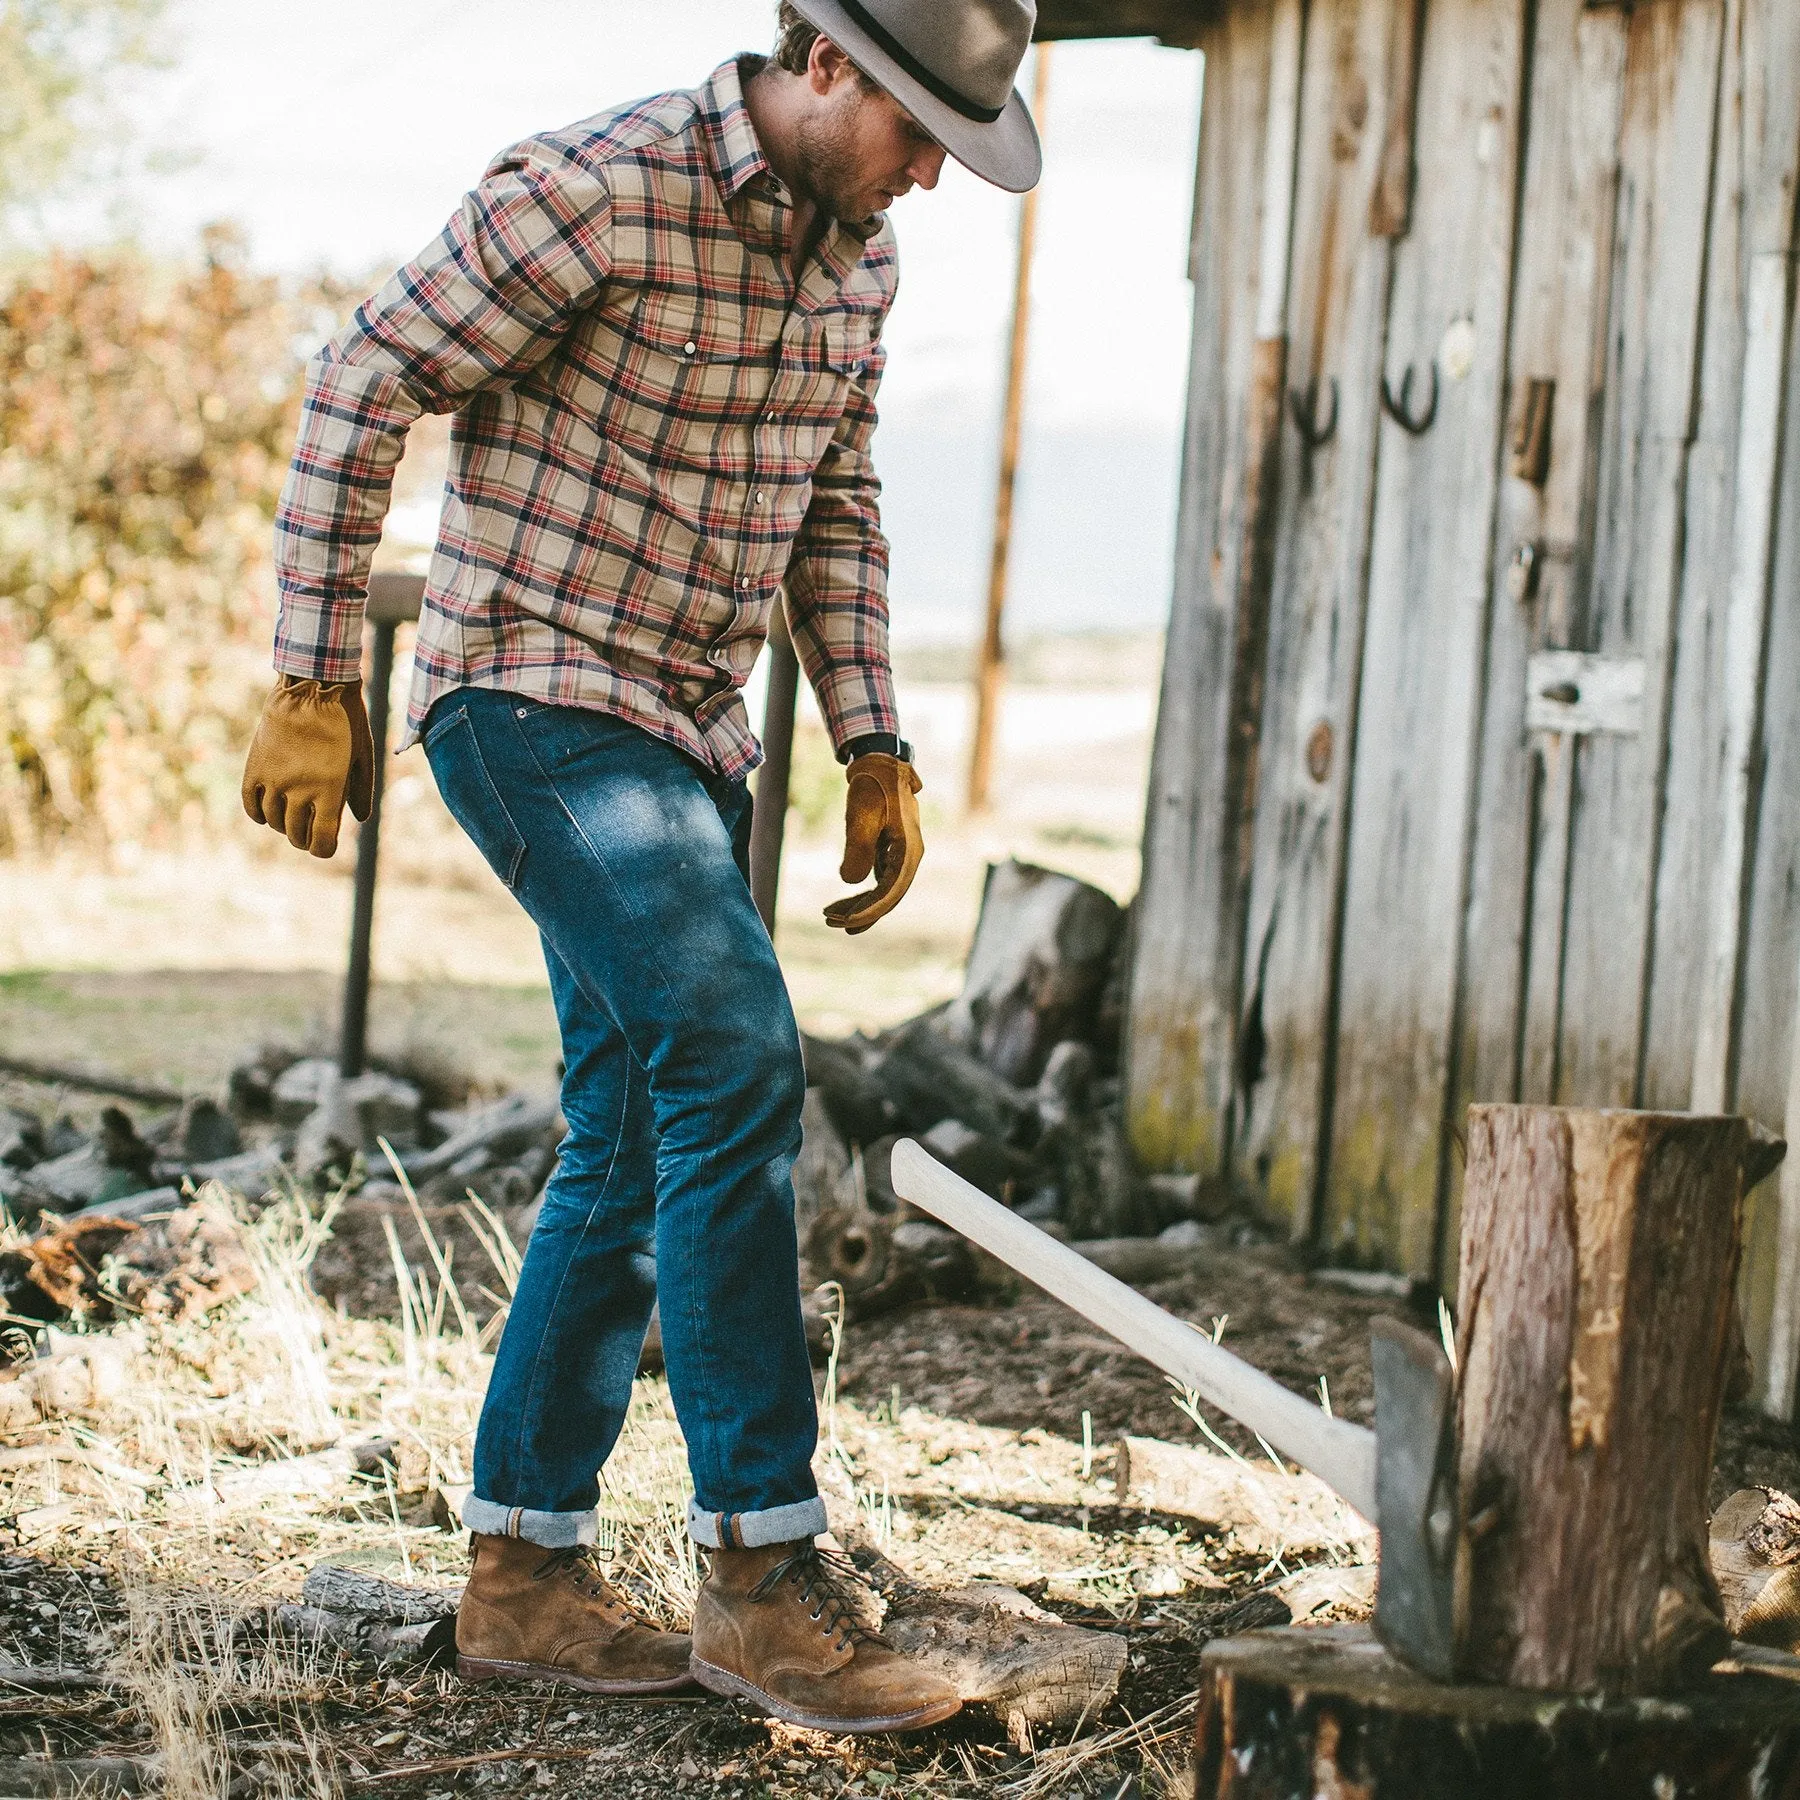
(690, 346)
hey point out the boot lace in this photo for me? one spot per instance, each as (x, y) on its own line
(828, 1584)
(580, 1564)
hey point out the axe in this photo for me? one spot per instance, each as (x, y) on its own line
(1401, 1476)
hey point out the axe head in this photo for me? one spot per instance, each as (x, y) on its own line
(1416, 1491)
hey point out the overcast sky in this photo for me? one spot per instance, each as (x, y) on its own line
(342, 134)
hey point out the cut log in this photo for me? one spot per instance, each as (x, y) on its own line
(371, 1619)
(1042, 951)
(1755, 1553)
(333, 1588)
(859, 1109)
(379, 1641)
(1000, 1651)
(503, 1130)
(1599, 1251)
(927, 1077)
(1327, 1711)
(1270, 1514)
(882, 1262)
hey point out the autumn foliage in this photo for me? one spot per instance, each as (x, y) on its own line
(146, 413)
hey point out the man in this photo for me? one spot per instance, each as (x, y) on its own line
(660, 333)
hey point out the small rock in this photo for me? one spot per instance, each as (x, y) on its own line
(22, 1140)
(385, 1107)
(301, 1088)
(207, 1132)
(1185, 1234)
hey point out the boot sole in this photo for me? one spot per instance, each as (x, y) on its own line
(481, 1668)
(722, 1681)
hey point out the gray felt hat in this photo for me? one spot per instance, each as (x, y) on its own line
(951, 64)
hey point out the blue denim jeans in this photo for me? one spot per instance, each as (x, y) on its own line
(682, 1093)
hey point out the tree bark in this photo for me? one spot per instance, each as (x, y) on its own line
(1326, 1711)
(1599, 1252)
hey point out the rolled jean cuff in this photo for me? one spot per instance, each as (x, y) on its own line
(754, 1530)
(551, 1530)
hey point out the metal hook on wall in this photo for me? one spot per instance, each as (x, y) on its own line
(1400, 411)
(1305, 408)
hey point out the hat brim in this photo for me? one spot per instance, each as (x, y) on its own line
(1006, 152)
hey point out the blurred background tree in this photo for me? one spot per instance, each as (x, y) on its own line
(60, 62)
(146, 413)
(147, 407)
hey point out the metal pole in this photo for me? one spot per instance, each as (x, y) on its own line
(768, 816)
(352, 1050)
(991, 670)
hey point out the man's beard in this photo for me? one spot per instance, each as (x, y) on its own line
(827, 163)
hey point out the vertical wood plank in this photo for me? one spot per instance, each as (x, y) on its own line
(1423, 653)
(1672, 71)
(1770, 143)
(1693, 836)
(1179, 1027)
(1765, 1005)
(1519, 874)
(1336, 325)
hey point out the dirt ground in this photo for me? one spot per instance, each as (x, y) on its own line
(966, 1442)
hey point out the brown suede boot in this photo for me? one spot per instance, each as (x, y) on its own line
(531, 1614)
(777, 1627)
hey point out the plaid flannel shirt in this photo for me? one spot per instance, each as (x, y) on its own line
(656, 427)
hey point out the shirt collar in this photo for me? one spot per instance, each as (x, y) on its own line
(736, 156)
(731, 144)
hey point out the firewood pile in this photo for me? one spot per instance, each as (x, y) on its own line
(1014, 1084)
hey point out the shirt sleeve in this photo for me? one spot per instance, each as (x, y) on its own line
(493, 296)
(837, 578)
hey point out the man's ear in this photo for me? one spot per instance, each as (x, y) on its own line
(828, 67)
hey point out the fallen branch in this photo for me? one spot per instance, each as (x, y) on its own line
(90, 1081)
(84, 1775)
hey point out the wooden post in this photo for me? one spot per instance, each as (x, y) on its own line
(769, 804)
(991, 670)
(1599, 1250)
(392, 599)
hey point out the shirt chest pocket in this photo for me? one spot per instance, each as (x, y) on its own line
(700, 359)
(831, 353)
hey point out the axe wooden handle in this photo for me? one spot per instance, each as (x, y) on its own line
(1342, 1455)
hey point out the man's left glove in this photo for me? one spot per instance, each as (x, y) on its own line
(881, 834)
(312, 751)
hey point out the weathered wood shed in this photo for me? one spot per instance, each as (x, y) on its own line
(1477, 769)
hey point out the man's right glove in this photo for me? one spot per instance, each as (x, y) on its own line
(881, 833)
(312, 751)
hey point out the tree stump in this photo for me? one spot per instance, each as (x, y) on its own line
(1326, 1713)
(1599, 1253)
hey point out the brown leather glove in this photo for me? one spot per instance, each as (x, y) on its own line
(881, 833)
(312, 751)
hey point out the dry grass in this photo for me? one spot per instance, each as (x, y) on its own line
(179, 1467)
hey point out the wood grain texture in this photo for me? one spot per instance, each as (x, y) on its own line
(1768, 1048)
(1598, 1255)
(1327, 1712)
(1337, 322)
(1518, 879)
(1423, 652)
(1180, 1025)
(1672, 71)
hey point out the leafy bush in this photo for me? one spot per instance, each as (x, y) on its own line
(146, 415)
